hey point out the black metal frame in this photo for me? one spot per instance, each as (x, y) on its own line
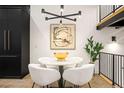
(116, 21)
(113, 68)
(89, 84)
(43, 86)
(60, 16)
(60, 82)
(114, 9)
(33, 84)
(114, 38)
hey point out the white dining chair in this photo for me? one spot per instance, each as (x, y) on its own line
(43, 76)
(74, 59)
(47, 59)
(79, 75)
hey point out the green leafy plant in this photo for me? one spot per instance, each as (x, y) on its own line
(93, 49)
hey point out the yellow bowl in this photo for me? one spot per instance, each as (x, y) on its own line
(61, 56)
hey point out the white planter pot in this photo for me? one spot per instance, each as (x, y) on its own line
(96, 66)
(96, 70)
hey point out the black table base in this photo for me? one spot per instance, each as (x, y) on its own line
(61, 79)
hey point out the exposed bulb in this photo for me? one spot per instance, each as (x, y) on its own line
(79, 16)
(61, 10)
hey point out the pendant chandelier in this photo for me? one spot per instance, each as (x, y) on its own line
(61, 16)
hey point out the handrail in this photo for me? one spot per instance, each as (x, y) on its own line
(114, 9)
(112, 14)
(112, 54)
(112, 67)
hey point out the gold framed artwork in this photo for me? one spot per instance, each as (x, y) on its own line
(62, 36)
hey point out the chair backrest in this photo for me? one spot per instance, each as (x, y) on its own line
(46, 59)
(79, 75)
(74, 59)
(43, 59)
(77, 59)
(43, 76)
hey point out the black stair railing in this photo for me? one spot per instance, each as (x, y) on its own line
(105, 10)
(112, 67)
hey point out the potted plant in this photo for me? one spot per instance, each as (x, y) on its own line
(93, 48)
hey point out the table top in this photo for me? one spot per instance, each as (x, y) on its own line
(55, 62)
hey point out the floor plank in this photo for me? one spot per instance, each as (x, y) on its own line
(26, 82)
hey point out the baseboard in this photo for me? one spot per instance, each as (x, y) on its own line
(14, 77)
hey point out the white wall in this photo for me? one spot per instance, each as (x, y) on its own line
(114, 47)
(85, 27)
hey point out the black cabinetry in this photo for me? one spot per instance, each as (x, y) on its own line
(14, 40)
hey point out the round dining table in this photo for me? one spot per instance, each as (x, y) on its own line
(54, 62)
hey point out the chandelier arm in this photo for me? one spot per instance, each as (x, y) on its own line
(69, 18)
(58, 16)
(71, 15)
(53, 17)
(51, 14)
(61, 17)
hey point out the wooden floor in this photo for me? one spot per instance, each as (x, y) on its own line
(26, 82)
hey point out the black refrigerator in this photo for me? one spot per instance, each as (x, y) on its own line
(14, 40)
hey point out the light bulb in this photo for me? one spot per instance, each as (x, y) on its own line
(61, 10)
(79, 16)
(62, 7)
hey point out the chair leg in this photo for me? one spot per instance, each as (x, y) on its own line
(75, 86)
(47, 86)
(89, 84)
(64, 83)
(58, 83)
(33, 84)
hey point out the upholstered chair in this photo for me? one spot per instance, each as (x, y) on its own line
(79, 75)
(43, 76)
